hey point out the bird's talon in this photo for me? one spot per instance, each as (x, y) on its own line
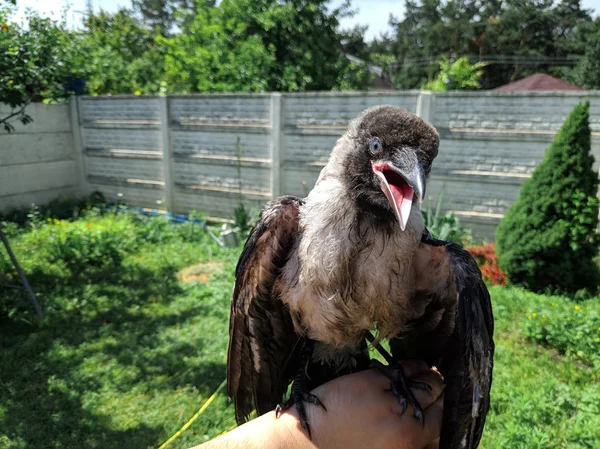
(297, 399)
(420, 417)
(278, 410)
(404, 405)
(312, 399)
(401, 388)
(306, 427)
(420, 385)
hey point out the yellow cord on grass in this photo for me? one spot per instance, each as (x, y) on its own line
(193, 418)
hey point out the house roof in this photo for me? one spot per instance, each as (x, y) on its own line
(538, 81)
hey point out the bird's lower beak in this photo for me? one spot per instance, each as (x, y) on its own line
(400, 187)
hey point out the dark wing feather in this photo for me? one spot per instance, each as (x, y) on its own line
(468, 358)
(261, 333)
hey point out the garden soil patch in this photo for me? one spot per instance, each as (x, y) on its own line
(200, 272)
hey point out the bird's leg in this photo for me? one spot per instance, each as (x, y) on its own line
(400, 385)
(300, 393)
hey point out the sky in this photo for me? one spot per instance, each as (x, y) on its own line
(374, 13)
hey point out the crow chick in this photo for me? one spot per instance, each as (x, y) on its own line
(316, 276)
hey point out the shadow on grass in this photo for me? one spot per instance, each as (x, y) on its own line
(51, 375)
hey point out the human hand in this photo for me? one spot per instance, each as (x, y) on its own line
(362, 412)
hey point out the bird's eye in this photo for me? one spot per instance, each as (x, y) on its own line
(375, 146)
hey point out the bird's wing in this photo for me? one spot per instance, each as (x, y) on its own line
(467, 360)
(261, 333)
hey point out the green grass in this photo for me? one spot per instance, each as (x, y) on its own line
(540, 398)
(127, 353)
(571, 327)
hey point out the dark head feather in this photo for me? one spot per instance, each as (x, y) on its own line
(405, 139)
(397, 128)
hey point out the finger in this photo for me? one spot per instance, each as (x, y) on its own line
(413, 367)
(426, 396)
(435, 368)
(435, 444)
(433, 425)
(374, 377)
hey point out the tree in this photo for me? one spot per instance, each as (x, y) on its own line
(162, 15)
(355, 76)
(457, 75)
(205, 57)
(421, 34)
(587, 72)
(301, 34)
(32, 64)
(353, 42)
(548, 238)
(258, 45)
(516, 37)
(115, 54)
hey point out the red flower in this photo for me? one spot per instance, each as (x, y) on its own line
(486, 258)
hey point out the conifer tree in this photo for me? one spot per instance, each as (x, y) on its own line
(548, 237)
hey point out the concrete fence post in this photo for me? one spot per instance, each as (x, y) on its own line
(276, 143)
(78, 147)
(167, 154)
(426, 106)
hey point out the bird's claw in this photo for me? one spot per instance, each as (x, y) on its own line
(297, 399)
(403, 403)
(420, 417)
(401, 388)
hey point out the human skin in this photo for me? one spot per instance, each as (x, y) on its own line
(361, 412)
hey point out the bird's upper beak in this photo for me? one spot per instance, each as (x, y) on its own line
(400, 186)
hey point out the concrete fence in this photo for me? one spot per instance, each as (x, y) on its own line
(211, 152)
(38, 161)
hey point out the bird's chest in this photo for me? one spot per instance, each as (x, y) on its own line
(340, 287)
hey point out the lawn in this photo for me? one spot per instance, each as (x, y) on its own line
(135, 339)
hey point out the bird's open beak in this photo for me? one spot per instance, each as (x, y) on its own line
(400, 187)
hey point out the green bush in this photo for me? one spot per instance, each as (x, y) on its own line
(457, 75)
(547, 239)
(153, 229)
(56, 254)
(95, 244)
(76, 247)
(61, 208)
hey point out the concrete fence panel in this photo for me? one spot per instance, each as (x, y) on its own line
(38, 161)
(122, 147)
(220, 146)
(490, 144)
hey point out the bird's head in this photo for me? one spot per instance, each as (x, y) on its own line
(386, 158)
